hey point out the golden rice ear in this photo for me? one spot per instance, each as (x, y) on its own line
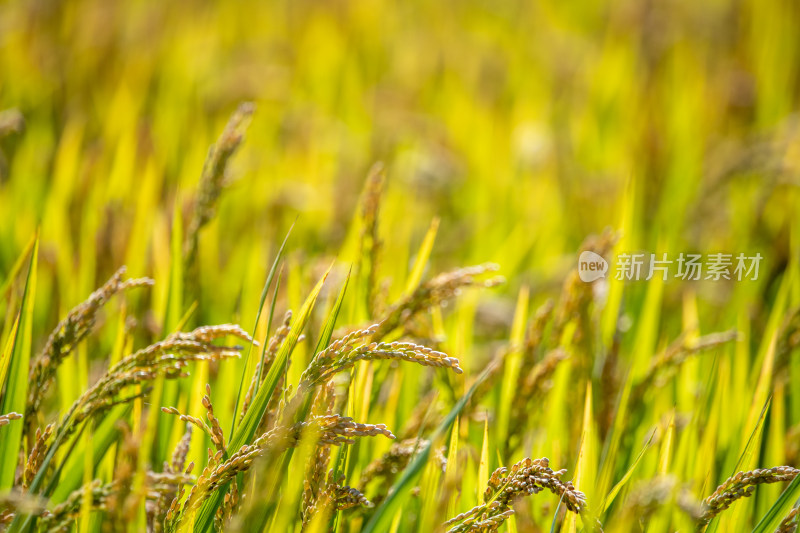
(314, 483)
(506, 485)
(790, 522)
(263, 366)
(669, 361)
(381, 473)
(370, 237)
(36, 455)
(212, 182)
(69, 333)
(330, 429)
(8, 417)
(358, 345)
(128, 379)
(742, 485)
(433, 292)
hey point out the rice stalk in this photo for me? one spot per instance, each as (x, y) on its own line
(36, 455)
(383, 471)
(158, 511)
(667, 363)
(531, 387)
(343, 353)
(433, 292)
(104, 497)
(741, 485)
(506, 484)
(790, 522)
(329, 429)
(314, 484)
(168, 358)
(226, 510)
(64, 339)
(213, 181)
(577, 296)
(263, 366)
(370, 237)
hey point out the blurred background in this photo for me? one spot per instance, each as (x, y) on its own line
(524, 126)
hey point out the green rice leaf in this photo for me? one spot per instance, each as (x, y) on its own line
(400, 491)
(609, 499)
(422, 257)
(788, 499)
(242, 382)
(246, 430)
(16, 383)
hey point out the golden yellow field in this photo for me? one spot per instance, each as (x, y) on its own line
(358, 290)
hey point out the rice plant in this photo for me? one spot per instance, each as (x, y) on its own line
(402, 268)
